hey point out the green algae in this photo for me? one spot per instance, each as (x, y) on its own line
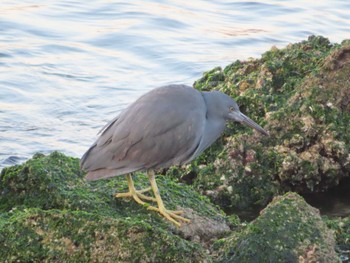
(50, 213)
(53, 182)
(56, 182)
(288, 230)
(76, 236)
(300, 94)
(341, 228)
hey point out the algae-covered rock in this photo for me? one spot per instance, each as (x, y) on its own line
(301, 95)
(341, 228)
(50, 213)
(33, 235)
(288, 230)
(82, 221)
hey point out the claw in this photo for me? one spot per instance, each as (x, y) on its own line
(170, 215)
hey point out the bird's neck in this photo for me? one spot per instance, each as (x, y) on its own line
(215, 125)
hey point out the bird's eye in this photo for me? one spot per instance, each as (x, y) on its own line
(231, 109)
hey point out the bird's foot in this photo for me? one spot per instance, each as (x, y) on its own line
(172, 216)
(137, 195)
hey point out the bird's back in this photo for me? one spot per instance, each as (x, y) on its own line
(162, 128)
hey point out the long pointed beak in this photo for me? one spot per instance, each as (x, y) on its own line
(240, 117)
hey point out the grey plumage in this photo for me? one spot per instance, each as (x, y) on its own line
(167, 126)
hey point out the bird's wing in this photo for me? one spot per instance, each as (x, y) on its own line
(162, 128)
(109, 124)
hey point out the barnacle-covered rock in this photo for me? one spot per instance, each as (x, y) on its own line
(301, 95)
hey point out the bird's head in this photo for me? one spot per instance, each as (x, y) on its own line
(227, 107)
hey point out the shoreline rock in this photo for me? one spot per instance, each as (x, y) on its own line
(300, 94)
(287, 230)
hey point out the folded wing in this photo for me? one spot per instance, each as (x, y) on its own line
(163, 128)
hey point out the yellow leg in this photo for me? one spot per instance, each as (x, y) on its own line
(136, 194)
(170, 215)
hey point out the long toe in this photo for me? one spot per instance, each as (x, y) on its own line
(145, 197)
(137, 195)
(172, 216)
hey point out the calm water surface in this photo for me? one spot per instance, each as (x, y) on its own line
(67, 67)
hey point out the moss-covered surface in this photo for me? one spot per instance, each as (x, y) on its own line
(288, 230)
(301, 95)
(50, 213)
(34, 234)
(341, 228)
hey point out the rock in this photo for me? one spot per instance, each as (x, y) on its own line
(300, 94)
(202, 228)
(341, 228)
(37, 235)
(50, 213)
(288, 230)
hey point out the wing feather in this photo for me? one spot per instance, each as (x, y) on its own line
(162, 128)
